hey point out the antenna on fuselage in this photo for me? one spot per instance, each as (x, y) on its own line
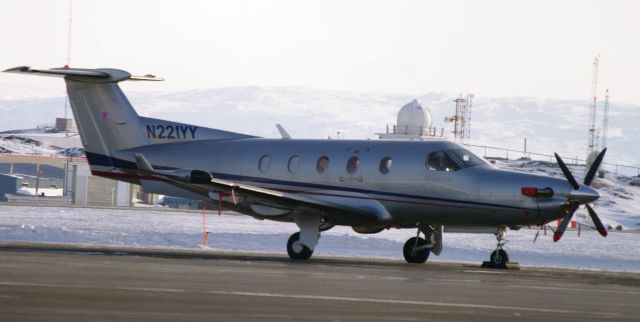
(283, 133)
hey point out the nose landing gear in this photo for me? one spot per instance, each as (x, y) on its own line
(499, 257)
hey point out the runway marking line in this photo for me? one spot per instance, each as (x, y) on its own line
(573, 289)
(312, 297)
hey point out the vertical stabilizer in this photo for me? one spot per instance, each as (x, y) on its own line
(106, 120)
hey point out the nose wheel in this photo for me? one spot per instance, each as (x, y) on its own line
(499, 257)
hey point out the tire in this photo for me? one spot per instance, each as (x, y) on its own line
(418, 257)
(499, 257)
(303, 254)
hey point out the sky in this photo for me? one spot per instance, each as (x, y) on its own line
(491, 48)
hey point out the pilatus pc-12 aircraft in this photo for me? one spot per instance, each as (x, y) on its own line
(316, 184)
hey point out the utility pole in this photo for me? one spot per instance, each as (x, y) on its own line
(605, 119)
(592, 108)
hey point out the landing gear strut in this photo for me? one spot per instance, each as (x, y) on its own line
(499, 257)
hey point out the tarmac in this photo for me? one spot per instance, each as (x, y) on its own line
(49, 282)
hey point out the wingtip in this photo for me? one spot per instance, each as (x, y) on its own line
(17, 69)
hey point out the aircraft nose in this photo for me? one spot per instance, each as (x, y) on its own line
(584, 194)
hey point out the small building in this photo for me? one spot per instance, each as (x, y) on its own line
(63, 124)
(8, 185)
(25, 184)
(86, 189)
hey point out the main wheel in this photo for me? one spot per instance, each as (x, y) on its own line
(415, 257)
(296, 250)
(499, 257)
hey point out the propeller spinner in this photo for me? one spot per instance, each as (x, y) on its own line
(581, 195)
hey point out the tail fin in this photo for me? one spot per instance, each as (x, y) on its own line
(109, 126)
(106, 120)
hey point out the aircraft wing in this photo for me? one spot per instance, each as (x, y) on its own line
(267, 202)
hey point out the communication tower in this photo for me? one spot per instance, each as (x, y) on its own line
(462, 120)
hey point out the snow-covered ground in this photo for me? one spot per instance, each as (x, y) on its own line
(620, 251)
(48, 192)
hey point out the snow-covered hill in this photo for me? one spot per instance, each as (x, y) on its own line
(550, 125)
(41, 142)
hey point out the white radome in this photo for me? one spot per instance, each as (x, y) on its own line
(413, 118)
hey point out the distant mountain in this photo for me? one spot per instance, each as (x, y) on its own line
(550, 125)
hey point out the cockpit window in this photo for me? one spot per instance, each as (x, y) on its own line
(466, 158)
(441, 161)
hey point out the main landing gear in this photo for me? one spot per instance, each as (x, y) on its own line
(296, 249)
(416, 250)
(301, 245)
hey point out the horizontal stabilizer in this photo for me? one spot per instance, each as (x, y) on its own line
(83, 74)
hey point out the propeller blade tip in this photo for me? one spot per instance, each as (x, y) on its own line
(603, 231)
(557, 236)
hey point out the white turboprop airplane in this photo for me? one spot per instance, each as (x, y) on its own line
(317, 184)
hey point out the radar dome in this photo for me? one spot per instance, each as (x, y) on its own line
(413, 118)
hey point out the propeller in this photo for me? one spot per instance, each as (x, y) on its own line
(575, 197)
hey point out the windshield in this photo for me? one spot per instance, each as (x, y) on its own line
(465, 158)
(441, 161)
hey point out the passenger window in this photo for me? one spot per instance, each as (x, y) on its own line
(264, 164)
(352, 165)
(385, 165)
(323, 164)
(294, 164)
(440, 161)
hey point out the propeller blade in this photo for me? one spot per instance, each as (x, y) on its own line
(594, 168)
(567, 173)
(565, 222)
(596, 221)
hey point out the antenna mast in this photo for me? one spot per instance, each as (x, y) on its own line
(592, 108)
(605, 119)
(462, 119)
(66, 102)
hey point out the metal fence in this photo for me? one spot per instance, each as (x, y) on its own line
(511, 154)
